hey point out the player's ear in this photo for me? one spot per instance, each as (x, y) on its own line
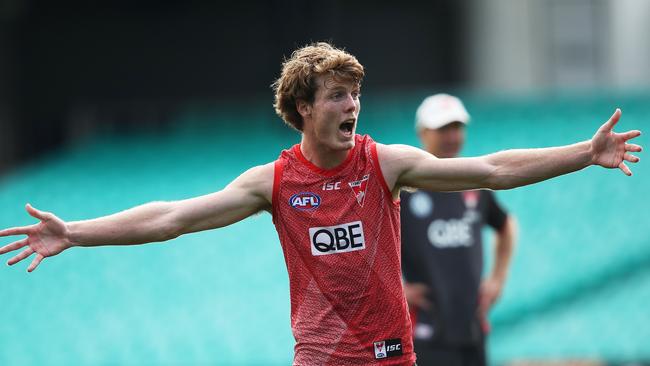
(303, 108)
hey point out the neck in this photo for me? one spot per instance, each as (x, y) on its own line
(322, 156)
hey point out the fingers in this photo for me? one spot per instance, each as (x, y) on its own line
(26, 230)
(13, 246)
(625, 169)
(631, 158)
(482, 311)
(35, 263)
(483, 317)
(424, 304)
(420, 288)
(633, 148)
(24, 254)
(631, 134)
(416, 295)
(38, 214)
(485, 302)
(485, 324)
(23, 230)
(613, 120)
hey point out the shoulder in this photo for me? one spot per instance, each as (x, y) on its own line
(395, 152)
(397, 149)
(397, 159)
(400, 155)
(261, 172)
(258, 180)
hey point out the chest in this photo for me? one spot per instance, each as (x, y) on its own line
(310, 196)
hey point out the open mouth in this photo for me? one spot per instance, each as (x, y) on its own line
(347, 127)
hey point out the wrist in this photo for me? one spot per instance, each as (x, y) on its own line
(71, 234)
(591, 153)
(584, 154)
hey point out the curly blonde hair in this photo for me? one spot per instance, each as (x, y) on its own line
(298, 78)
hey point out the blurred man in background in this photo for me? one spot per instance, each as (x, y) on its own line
(442, 251)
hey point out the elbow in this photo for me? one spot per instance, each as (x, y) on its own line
(170, 232)
(493, 177)
(497, 182)
(500, 179)
(168, 227)
(498, 185)
(502, 175)
(172, 226)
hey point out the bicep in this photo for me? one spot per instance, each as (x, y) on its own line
(245, 196)
(408, 166)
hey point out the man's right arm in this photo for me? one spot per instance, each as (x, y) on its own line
(161, 221)
(153, 222)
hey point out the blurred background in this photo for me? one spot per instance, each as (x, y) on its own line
(109, 104)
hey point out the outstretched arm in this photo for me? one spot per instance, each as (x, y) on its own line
(153, 222)
(411, 167)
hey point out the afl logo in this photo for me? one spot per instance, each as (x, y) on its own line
(305, 201)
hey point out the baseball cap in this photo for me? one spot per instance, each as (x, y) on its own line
(439, 110)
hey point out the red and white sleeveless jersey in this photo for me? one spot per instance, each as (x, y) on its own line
(340, 234)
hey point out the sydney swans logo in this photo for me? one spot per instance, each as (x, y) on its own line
(359, 189)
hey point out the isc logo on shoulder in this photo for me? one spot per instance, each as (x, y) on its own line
(388, 348)
(337, 239)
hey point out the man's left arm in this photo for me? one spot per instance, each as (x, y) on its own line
(492, 286)
(405, 166)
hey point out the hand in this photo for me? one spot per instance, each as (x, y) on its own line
(47, 238)
(488, 294)
(416, 295)
(610, 149)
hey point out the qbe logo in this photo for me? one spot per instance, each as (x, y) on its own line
(337, 239)
(388, 348)
(305, 201)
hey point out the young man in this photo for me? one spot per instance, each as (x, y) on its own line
(334, 201)
(442, 251)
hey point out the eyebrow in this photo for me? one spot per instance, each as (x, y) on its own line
(337, 89)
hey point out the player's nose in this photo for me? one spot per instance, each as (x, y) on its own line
(350, 103)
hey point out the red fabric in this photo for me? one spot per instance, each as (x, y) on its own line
(343, 302)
